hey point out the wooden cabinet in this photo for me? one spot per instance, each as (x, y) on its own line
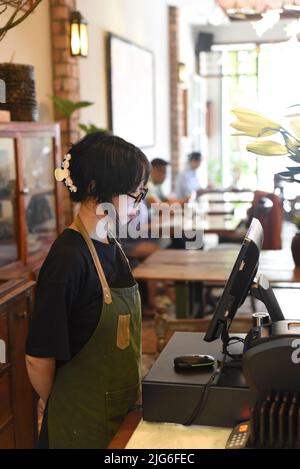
(31, 217)
(18, 420)
(30, 199)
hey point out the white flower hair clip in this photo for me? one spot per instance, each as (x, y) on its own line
(63, 173)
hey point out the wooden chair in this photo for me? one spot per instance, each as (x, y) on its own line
(270, 217)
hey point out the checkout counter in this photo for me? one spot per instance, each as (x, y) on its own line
(252, 383)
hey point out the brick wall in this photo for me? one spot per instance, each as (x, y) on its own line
(176, 104)
(65, 76)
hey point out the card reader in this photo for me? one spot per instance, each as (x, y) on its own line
(193, 362)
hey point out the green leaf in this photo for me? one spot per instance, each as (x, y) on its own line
(82, 104)
(67, 107)
(91, 128)
(83, 127)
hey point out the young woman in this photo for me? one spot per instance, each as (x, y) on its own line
(83, 349)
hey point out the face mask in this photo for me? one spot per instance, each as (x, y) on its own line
(125, 209)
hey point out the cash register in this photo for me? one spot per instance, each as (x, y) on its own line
(255, 376)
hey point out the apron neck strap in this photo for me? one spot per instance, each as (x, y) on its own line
(106, 290)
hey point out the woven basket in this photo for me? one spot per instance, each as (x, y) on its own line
(20, 91)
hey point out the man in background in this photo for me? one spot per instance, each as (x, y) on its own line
(188, 181)
(156, 180)
(155, 184)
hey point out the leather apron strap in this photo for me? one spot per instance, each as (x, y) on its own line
(105, 287)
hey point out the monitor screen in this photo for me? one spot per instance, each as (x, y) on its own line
(239, 282)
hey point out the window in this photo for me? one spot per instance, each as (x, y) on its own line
(261, 77)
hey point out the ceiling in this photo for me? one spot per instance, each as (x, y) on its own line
(200, 12)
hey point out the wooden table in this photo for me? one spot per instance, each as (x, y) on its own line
(185, 266)
(210, 208)
(213, 266)
(219, 224)
(221, 197)
(221, 207)
(126, 430)
(225, 224)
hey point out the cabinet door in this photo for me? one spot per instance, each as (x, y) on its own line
(7, 433)
(39, 190)
(6, 412)
(7, 438)
(8, 207)
(23, 394)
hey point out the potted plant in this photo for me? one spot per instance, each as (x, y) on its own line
(252, 124)
(67, 108)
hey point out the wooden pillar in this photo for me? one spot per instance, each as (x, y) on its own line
(176, 104)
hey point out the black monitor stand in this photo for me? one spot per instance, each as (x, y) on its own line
(261, 290)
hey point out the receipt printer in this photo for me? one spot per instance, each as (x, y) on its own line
(272, 359)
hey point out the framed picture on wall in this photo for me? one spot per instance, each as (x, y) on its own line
(131, 91)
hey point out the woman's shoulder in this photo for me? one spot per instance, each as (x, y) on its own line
(68, 244)
(66, 256)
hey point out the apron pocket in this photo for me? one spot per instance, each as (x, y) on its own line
(123, 332)
(118, 404)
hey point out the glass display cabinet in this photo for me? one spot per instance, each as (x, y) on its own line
(31, 217)
(31, 213)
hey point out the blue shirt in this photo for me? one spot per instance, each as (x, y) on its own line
(187, 182)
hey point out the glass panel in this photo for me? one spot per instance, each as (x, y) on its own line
(210, 63)
(229, 63)
(247, 62)
(239, 166)
(8, 210)
(278, 78)
(40, 202)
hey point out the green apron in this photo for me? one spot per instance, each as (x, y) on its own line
(93, 392)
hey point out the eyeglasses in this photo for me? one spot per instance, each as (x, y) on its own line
(141, 196)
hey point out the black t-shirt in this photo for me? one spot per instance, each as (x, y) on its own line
(69, 296)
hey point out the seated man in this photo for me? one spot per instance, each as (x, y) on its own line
(187, 181)
(157, 178)
(156, 196)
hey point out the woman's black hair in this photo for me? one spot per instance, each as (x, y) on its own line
(104, 166)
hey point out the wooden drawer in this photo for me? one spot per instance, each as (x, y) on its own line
(7, 438)
(6, 411)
